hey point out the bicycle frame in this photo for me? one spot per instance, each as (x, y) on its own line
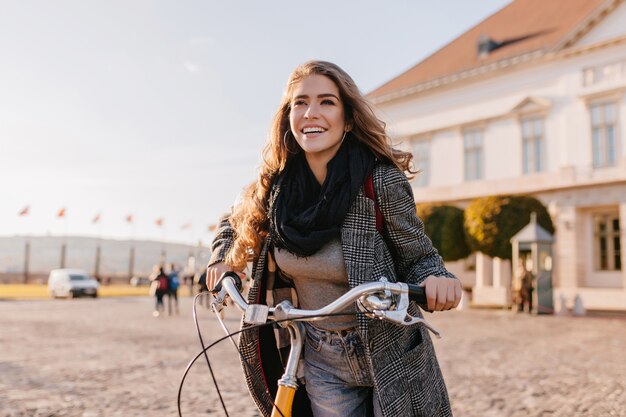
(383, 300)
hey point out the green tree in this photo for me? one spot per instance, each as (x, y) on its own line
(444, 226)
(491, 222)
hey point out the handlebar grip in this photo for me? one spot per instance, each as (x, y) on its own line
(417, 293)
(229, 274)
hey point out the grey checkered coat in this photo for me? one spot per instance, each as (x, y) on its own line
(406, 373)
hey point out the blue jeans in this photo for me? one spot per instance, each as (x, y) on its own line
(338, 378)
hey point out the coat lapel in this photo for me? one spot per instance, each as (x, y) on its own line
(358, 232)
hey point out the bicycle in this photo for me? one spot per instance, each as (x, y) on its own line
(381, 300)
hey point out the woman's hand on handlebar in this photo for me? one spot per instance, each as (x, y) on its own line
(215, 271)
(442, 293)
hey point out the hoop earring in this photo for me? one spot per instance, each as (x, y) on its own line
(344, 136)
(285, 142)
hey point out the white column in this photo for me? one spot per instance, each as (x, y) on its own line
(483, 270)
(480, 279)
(502, 279)
(497, 272)
(566, 253)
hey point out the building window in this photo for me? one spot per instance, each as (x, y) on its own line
(607, 242)
(533, 145)
(473, 149)
(603, 134)
(421, 161)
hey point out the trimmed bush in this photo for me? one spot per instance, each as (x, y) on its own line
(491, 222)
(444, 226)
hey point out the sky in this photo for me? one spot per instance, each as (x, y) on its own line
(160, 109)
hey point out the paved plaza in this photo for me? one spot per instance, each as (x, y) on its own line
(110, 357)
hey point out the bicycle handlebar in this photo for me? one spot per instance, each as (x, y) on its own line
(375, 299)
(232, 288)
(357, 293)
(417, 293)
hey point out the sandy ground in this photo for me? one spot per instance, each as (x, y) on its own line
(110, 357)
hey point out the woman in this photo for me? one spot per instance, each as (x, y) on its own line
(306, 221)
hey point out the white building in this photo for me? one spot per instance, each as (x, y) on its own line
(531, 101)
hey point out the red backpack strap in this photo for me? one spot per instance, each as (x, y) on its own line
(368, 188)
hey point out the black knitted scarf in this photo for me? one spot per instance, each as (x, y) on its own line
(306, 215)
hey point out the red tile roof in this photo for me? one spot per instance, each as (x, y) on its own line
(521, 27)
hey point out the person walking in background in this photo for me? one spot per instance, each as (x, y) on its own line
(516, 287)
(527, 291)
(161, 285)
(308, 212)
(523, 288)
(173, 284)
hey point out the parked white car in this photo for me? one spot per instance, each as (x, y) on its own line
(71, 283)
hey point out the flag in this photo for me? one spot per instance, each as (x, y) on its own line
(96, 219)
(185, 226)
(24, 211)
(61, 213)
(129, 218)
(159, 221)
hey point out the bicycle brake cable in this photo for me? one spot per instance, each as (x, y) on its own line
(204, 352)
(219, 319)
(206, 356)
(228, 336)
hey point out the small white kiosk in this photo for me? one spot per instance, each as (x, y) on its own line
(532, 250)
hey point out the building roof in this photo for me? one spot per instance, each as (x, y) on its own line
(533, 232)
(520, 28)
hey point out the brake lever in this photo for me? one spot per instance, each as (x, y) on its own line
(401, 316)
(219, 300)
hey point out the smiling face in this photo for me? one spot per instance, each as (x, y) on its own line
(317, 118)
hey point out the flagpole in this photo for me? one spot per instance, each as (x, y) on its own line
(131, 260)
(26, 258)
(96, 269)
(159, 223)
(63, 249)
(22, 213)
(131, 255)
(61, 214)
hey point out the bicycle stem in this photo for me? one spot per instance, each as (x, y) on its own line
(289, 378)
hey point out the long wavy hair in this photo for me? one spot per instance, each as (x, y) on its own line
(249, 218)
